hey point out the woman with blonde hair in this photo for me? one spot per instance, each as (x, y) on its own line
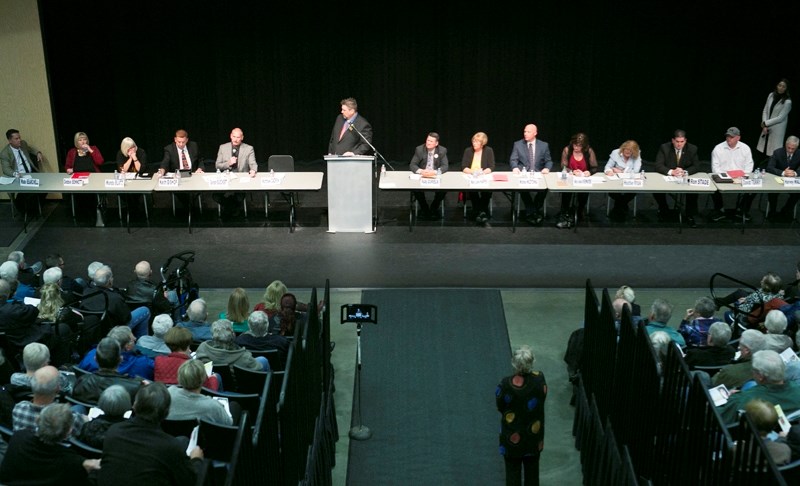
(271, 300)
(626, 159)
(83, 157)
(130, 157)
(238, 310)
(478, 159)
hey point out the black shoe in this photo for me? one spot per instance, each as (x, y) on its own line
(717, 215)
(565, 223)
(690, 222)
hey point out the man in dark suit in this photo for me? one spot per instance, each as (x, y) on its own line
(182, 154)
(784, 162)
(17, 158)
(428, 158)
(677, 158)
(347, 141)
(533, 155)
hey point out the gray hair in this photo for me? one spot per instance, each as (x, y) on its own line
(522, 360)
(9, 271)
(17, 257)
(192, 374)
(753, 340)
(661, 310)
(34, 356)
(121, 334)
(770, 365)
(775, 322)
(52, 275)
(197, 311)
(54, 423)
(661, 342)
(114, 401)
(108, 353)
(258, 322)
(626, 293)
(103, 277)
(45, 381)
(792, 140)
(92, 268)
(222, 331)
(705, 306)
(161, 324)
(719, 334)
(5, 289)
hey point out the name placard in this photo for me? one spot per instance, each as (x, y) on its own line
(530, 182)
(218, 182)
(270, 181)
(168, 182)
(699, 182)
(70, 182)
(430, 182)
(482, 182)
(29, 182)
(632, 183)
(581, 181)
(115, 183)
(752, 182)
(791, 182)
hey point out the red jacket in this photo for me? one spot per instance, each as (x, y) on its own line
(166, 370)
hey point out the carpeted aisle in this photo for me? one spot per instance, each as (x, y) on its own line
(429, 371)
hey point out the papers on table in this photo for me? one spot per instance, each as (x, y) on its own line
(4, 180)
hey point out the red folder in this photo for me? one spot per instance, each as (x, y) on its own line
(80, 175)
(500, 177)
(736, 173)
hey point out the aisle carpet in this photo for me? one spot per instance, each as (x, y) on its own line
(429, 371)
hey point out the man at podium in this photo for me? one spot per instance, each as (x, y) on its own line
(345, 138)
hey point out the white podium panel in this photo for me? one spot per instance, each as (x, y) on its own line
(350, 193)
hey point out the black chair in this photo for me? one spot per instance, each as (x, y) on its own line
(281, 163)
(250, 381)
(179, 428)
(711, 370)
(75, 401)
(80, 371)
(222, 443)
(85, 449)
(6, 433)
(228, 378)
(247, 401)
(12, 353)
(273, 356)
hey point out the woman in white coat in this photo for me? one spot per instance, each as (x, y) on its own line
(774, 118)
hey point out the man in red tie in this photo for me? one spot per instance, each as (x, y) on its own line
(182, 154)
(346, 140)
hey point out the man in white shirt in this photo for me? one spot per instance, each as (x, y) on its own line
(732, 154)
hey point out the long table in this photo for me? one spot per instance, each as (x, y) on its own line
(769, 184)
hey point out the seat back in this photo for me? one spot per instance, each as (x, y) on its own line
(280, 163)
(85, 449)
(247, 401)
(222, 443)
(228, 378)
(273, 356)
(179, 428)
(250, 381)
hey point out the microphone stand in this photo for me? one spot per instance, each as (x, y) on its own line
(376, 220)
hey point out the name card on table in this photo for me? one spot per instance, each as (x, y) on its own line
(270, 181)
(791, 182)
(70, 182)
(115, 183)
(700, 182)
(481, 182)
(536, 182)
(430, 182)
(162, 182)
(752, 182)
(27, 182)
(632, 183)
(218, 182)
(581, 181)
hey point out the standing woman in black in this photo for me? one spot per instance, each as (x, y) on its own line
(520, 400)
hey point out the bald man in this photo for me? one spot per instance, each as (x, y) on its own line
(142, 290)
(532, 155)
(235, 156)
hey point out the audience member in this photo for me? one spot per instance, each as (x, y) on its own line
(40, 457)
(198, 324)
(271, 300)
(750, 308)
(179, 341)
(90, 386)
(68, 284)
(9, 271)
(740, 371)
(579, 159)
(775, 339)
(661, 342)
(132, 363)
(189, 403)
(142, 290)
(623, 160)
(765, 419)
(694, 326)
(660, 314)
(28, 275)
(20, 321)
(716, 352)
(45, 388)
(732, 154)
(258, 337)
(222, 350)
(34, 357)
(429, 158)
(115, 402)
(287, 318)
(139, 451)
(238, 308)
(627, 293)
(154, 345)
(118, 312)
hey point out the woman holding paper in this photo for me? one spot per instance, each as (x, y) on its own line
(478, 159)
(626, 159)
(83, 157)
(577, 158)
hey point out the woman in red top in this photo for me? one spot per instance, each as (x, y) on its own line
(179, 340)
(579, 160)
(83, 157)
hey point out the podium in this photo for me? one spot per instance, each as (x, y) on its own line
(350, 193)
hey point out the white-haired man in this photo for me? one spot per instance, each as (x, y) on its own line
(154, 345)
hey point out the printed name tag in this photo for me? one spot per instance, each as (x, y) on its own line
(700, 182)
(69, 181)
(482, 182)
(114, 183)
(430, 182)
(29, 182)
(530, 182)
(581, 181)
(791, 181)
(752, 182)
(632, 183)
(168, 182)
(218, 182)
(270, 181)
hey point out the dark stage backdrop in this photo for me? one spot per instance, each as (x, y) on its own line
(144, 69)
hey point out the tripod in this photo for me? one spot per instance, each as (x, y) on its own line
(359, 431)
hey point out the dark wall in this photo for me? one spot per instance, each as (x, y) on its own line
(144, 69)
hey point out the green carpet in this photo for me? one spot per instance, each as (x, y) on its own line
(429, 371)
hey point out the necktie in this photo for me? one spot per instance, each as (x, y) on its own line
(344, 129)
(678, 156)
(531, 154)
(429, 166)
(23, 161)
(184, 162)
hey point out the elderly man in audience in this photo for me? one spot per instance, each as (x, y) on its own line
(179, 341)
(144, 291)
(118, 312)
(9, 271)
(34, 357)
(741, 370)
(189, 403)
(660, 314)
(257, 338)
(90, 386)
(716, 352)
(27, 275)
(154, 345)
(115, 402)
(133, 363)
(769, 374)
(40, 457)
(45, 387)
(198, 324)
(20, 321)
(139, 451)
(694, 326)
(222, 349)
(775, 339)
(765, 420)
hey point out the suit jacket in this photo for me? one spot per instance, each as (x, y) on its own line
(520, 157)
(8, 158)
(246, 160)
(779, 161)
(420, 159)
(172, 160)
(666, 159)
(351, 141)
(487, 160)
